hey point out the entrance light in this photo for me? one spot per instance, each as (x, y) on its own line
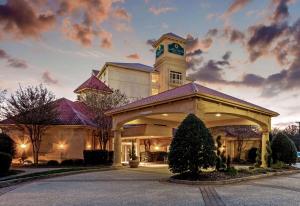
(156, 148)
(61, 146)
(218, 115)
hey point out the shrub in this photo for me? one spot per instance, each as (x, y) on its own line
(96, 157)
(283, 149)
(78, 162)
(231, 171)
(67, 162)
(7, 145)
(110, 157)
(192, 147)
(52, 163)
(5, 162)
(258, 158)
(252, 155)
(221, 159)
(278, 165)
(269, 158)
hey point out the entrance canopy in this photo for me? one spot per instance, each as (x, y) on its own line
(171, 107)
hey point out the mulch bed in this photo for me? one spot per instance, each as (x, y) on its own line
(218, 176)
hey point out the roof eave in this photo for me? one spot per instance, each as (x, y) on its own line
(228, 102)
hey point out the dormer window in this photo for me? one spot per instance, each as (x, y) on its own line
(175, 77)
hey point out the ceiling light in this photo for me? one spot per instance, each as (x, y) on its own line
(165, 115)
(218, 115)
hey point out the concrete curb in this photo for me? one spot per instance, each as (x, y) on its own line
(7, 183)
(232, 181)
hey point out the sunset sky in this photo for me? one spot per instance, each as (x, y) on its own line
(249, 49)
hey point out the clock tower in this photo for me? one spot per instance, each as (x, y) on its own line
(170, 63)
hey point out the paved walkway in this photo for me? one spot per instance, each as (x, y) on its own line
(143, 186)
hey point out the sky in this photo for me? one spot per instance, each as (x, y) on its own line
(249, 49)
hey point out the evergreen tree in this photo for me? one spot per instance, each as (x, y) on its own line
(283, 149)
(192, 147)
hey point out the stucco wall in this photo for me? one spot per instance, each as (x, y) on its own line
(58, 143)
(135, 84)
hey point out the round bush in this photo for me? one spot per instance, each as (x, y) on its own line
(252, 155)
(52, 163)
(283, 149)
(5, 162)
(7, 145)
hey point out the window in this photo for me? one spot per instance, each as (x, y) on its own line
(154, 91)
(175, 77)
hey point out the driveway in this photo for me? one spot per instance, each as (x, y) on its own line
(143, 186)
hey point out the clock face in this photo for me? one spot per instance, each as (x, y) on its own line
(159, 50)
(176, 49)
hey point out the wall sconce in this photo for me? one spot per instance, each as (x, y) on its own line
(23, 146)
(89, 146)
(218, 115)
(61, 146)
(156, 148)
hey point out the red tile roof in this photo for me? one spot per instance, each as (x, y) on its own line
(69, 113)
(73, 113)
(182, 91)
(93, 83)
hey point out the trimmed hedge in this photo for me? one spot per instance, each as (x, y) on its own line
(283, 149)
(97, 157)
(5, 162)
(7, 145)
(52, 163)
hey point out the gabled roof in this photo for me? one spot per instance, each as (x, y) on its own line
(69, 113)
(93, 83)
(73, 113)
(187, 90)
(134, 66)
(95, 72)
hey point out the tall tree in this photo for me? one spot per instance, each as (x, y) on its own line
(33, 110)
(2, 98)
(99, 103)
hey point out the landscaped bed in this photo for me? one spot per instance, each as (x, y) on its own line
(223, 177)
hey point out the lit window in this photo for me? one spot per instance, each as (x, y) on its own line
(155, 78)
(154, 91)
(175, 77)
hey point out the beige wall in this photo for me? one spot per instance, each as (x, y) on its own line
(58, 143)
(135, 84)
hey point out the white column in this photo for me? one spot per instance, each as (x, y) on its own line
(264, 140)
(117, 148)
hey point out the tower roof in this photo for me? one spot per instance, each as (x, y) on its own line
(93, 83)
(169, 35)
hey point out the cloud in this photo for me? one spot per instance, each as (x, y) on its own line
(150, 41)
(194, 43)
(121, 13)
(48, 78)
(13, 62)
(262, 38)
(19, 19)
(161, 10)
(79, 21)
(133, 56)
(236, 6)
(233, 35)
(281, 11)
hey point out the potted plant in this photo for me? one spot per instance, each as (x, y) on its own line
(134, 160)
